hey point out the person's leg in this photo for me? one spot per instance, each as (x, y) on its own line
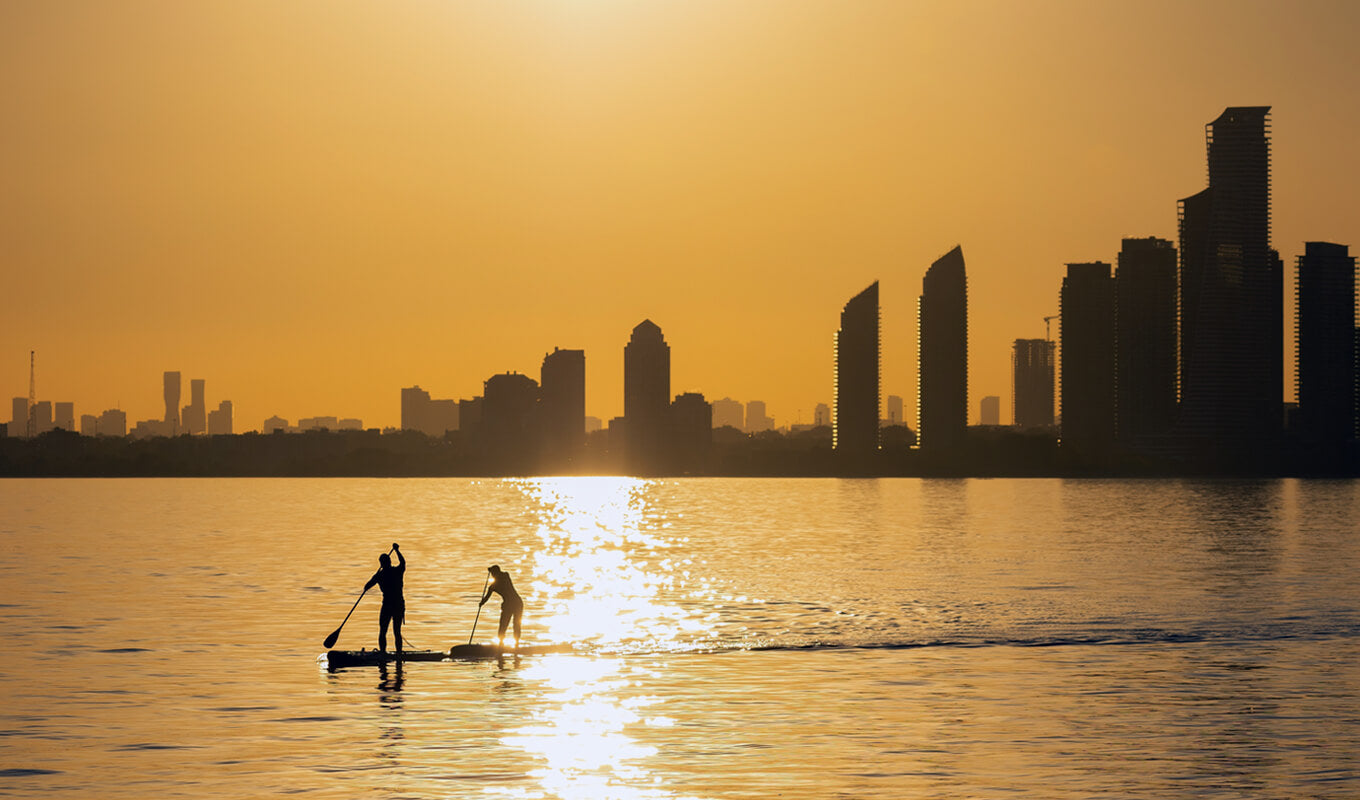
(505, 623)
(519, 612)
(383, 619)
(397, 618)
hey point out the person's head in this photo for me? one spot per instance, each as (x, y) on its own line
(385, 560)
(494, 569)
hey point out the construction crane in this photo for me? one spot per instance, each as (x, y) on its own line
(1048, 336)
(30, 432)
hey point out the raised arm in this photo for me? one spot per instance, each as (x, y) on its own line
(401, 559)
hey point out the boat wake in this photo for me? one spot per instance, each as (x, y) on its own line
(1097, 638)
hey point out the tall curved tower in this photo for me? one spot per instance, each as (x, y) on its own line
(854, 430)
(943, 385)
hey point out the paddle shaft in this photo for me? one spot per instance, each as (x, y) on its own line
(479, 609)
(335, 635)
(330, 640)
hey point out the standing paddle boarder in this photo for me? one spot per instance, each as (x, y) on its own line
(389, 579)
(512, 607)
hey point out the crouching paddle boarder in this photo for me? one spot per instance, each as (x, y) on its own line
(512, 607)
(389, 579)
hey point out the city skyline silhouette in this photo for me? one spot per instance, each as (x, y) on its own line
(162, 230)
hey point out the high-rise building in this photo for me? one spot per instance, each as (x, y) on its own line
(219, 422)
(895, 410)
(64, 416)
(18, 427)
(691, 433)
(1231, 300)
(42, 416)
(1087, 367)
(470, 417)
(415, 407)
(510, 419)
(194, 418)
(855, 427)
(172, 392)
(989, 410)
(1327, 375)
(171, 385)
(430, 417)
(646, 394)
(89, 425)
(756, 418)
(821, 415)
(943, 363)
(728, 413)
(562, 406)
(1032, 371)
(112, 422)
(1145, 339)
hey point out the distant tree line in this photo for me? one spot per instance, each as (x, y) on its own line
(986, 452)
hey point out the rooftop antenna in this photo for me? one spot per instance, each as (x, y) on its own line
(1048, 335)
(32, 394)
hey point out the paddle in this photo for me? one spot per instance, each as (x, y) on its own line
(335, 634)
(479, 609)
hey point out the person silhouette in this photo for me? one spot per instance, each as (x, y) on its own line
(389, 579)
(512, 606)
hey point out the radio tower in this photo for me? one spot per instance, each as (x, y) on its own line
(32, 395)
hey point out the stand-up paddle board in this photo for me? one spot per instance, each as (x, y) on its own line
(339, 659)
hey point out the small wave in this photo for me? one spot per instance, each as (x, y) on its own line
(1115, 638)
(22, 772)
(309, 719)
(128, 748)
(126, 650)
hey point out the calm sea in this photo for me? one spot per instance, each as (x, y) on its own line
(735, 639)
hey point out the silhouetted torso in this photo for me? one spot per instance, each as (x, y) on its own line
(505, 587)
(390, 580)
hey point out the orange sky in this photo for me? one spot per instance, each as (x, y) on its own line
(313, 204)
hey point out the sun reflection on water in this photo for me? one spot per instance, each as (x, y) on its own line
(604, 577)
(602, 569)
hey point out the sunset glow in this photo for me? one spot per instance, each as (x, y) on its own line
(313, 205)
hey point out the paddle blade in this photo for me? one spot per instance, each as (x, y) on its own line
(330, 640)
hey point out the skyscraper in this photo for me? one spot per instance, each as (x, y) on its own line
(756, 418)
(509, 421)
(562, 406)
(1087, 370)
(1231, 300)
(691, 432)
(1145, 339)
(172, 403)
(64, 416)
(1326, 343)
(895, 410)
(1032, 371)
(728, 412)
(989, 410)
(415, 403)
(855, 426)
(219, 422)
(195, 415)
(18, 428)
(943, 342)
(646, 394)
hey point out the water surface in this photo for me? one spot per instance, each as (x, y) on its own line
(735, 639)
